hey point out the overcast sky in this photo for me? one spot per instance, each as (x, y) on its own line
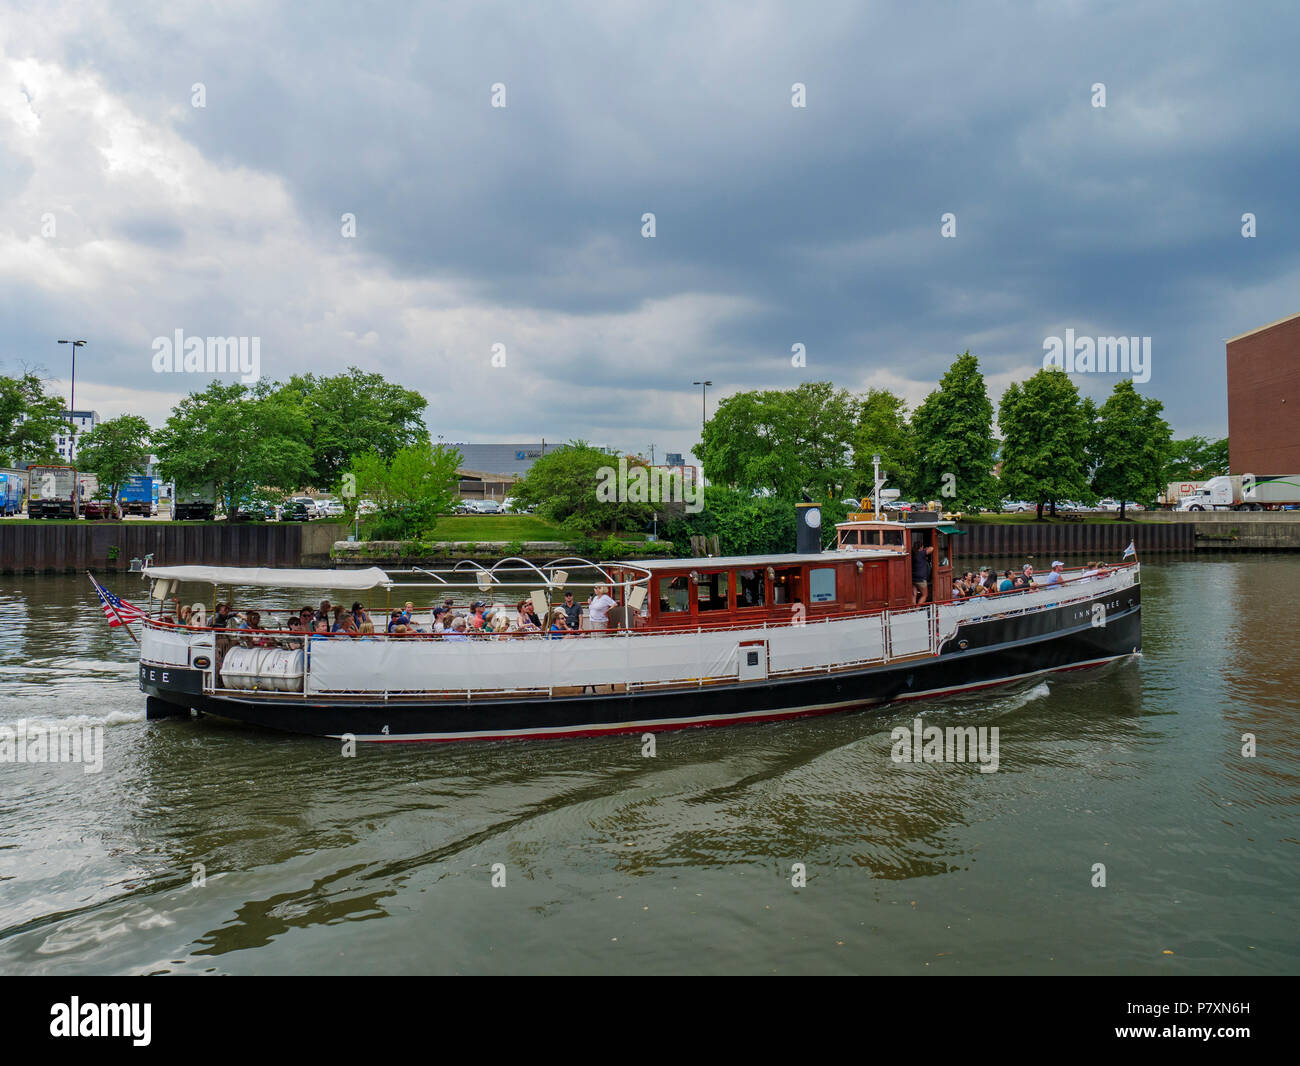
(127, 213)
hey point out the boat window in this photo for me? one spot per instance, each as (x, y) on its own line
(711, 592)
(787, 585)
(892, 536)
(674, 595)
(750, 589)
(821, 584)
(849, 536)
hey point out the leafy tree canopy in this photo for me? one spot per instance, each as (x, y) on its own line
(1046, 432)
(1197, 459)
(410, 489)
(1131, 446)
(565, 485)
(239, 439)
(784, 440)
(114, 450)
(29, 440)
(953, 431)
(882, 429)
(351, 414)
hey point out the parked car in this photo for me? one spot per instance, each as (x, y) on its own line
(365, 507)
(488, 507)
(1018, 507)
(95, 510)
(298, 510)
(255, 511)
(329, 507)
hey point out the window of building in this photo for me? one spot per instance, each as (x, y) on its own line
(711, 591)
(750, 589)
(674, 595)
(821, 584)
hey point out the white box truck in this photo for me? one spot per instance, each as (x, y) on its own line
(1244, 492)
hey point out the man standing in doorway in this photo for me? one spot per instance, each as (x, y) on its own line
(921, 570)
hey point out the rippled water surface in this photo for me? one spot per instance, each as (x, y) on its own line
(681, 863)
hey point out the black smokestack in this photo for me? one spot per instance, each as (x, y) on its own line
(808, 522)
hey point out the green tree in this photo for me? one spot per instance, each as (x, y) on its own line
(953, 432)
(1131, 446)
(351, 414)
(114, 450)
(410, 489)
(564, 485)
(30, 419)
(784, 440)
(1046, 435)
(882, 429)
(1197, 459)
(241, 440)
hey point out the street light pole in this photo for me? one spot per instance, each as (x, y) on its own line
(704, 401)
(72, 401)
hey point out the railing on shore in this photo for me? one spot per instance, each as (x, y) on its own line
(497, 664)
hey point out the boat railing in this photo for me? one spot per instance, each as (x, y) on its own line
(690, 656)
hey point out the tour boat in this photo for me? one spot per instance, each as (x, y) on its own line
(694, 642)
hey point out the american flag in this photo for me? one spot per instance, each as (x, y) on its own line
(128, 612)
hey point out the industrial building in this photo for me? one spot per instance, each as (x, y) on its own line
(1264, 399)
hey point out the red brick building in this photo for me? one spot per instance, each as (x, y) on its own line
(1264, 399)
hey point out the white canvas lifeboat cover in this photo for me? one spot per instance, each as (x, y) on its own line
(270, 577)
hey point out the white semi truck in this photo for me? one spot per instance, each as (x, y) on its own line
(1244, 492)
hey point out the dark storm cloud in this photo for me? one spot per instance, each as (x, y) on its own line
(822, 222)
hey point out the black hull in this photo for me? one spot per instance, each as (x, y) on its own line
(982, 654)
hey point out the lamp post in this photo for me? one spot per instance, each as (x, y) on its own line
(72, 401)
(704, 401)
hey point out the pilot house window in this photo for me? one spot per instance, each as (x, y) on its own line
(787, 586)
(711, 592)
(674, 595)
(821, 584)
(750, 588)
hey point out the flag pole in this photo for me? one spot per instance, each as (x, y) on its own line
(99, 587)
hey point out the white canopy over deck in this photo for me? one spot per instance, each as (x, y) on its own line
(270, 577)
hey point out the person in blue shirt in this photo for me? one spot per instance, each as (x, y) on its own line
(1055, 577)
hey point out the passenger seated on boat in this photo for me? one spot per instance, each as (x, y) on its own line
(439, 613)
(222, 617)
(527, 618)
(476, 620)
(324, 611)
(359, 614)
(186, 611)
(457, 631)
(367, 630)
(321, 629)
(559, 628)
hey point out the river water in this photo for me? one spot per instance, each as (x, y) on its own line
(201, 847)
